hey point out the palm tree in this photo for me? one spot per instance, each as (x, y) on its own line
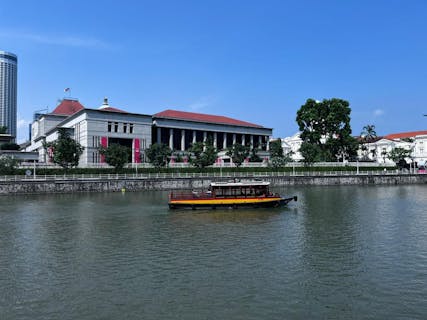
(368, 133)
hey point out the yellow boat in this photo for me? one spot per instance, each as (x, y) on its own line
(231, 194)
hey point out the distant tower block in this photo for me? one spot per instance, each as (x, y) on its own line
(8, 91)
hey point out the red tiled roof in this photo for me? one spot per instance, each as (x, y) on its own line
(68, 107)
(200, 117)
(403, 135)
(112, 109)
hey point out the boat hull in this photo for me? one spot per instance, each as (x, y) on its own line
(234, 203)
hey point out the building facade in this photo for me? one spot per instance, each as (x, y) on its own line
(92, 128)
(8, 91)
(95, 128)
(179, 129)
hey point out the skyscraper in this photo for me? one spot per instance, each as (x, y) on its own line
(8, 91)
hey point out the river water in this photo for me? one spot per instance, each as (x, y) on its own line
(338, 253)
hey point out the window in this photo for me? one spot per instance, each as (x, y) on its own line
(130, 127)
(109, 126)
(125, 127)
(116, 127)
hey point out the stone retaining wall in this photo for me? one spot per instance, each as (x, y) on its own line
(116, 185)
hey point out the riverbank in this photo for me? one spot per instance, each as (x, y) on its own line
(117, 184)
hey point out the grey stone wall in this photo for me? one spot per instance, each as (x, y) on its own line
(117, 185)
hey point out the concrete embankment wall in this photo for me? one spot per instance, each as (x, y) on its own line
(115, 185)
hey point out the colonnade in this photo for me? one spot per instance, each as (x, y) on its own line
(216, 143)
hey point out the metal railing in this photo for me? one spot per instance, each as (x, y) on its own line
(174, 175)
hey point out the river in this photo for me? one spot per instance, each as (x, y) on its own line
(338, 253)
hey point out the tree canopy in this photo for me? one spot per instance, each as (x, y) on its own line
(8, 164)
(157, 154)
(3, 129)
(116, 155)
(66, 151)
(9, 146)
(368, 133)
(238, 153)
(203, 154)
(325, 130)
(399, 155)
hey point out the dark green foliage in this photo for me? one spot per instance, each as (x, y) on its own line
(325, 126)
(276, 149)
(238, 153)
(66, 151)
(368, 133)
(116, 155)
(254, 157)
(203, 154)
(8, 165)
(3, 130)
(277, 157)
(9, 146)
(310, 152)
(157, 154)
(398, 156)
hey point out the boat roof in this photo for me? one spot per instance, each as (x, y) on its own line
(240, 183)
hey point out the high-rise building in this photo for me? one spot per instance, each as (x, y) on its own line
(8, 91)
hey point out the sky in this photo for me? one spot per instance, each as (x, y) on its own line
(257, 61)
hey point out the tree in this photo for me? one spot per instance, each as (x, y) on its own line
(254, 157)
(8, 164)
(310, 152)
(203, 154)
(3, 129)
(368, 133)
(116, 155)
(323, 122)
(398, 155)
(277, 156)
(9, 146)
(66, 151)
(157, 154)
(238, 153)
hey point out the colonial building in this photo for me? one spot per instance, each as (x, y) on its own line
(92, 128)
(378, 149)
(179, 129)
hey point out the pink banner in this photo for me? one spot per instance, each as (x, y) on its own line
(137, 152)
(104, 144)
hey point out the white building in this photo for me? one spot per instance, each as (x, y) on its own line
(92, 128)
(378, 149)
(293, 144)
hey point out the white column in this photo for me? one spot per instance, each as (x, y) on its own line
(159, 135)
(205, 137)
(215, 140)
(259, 142)
(268, 144)
(224, 141)
(252, 141)
(234, 138)
(171, 138)
(194, 136)
(182, 140)
(243, 139)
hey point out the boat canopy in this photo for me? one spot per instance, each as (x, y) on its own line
(240, 184)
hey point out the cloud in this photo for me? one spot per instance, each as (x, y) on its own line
(64, 40)
(378, 112)
(22, 128)
(22, 123)
(201, 104)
